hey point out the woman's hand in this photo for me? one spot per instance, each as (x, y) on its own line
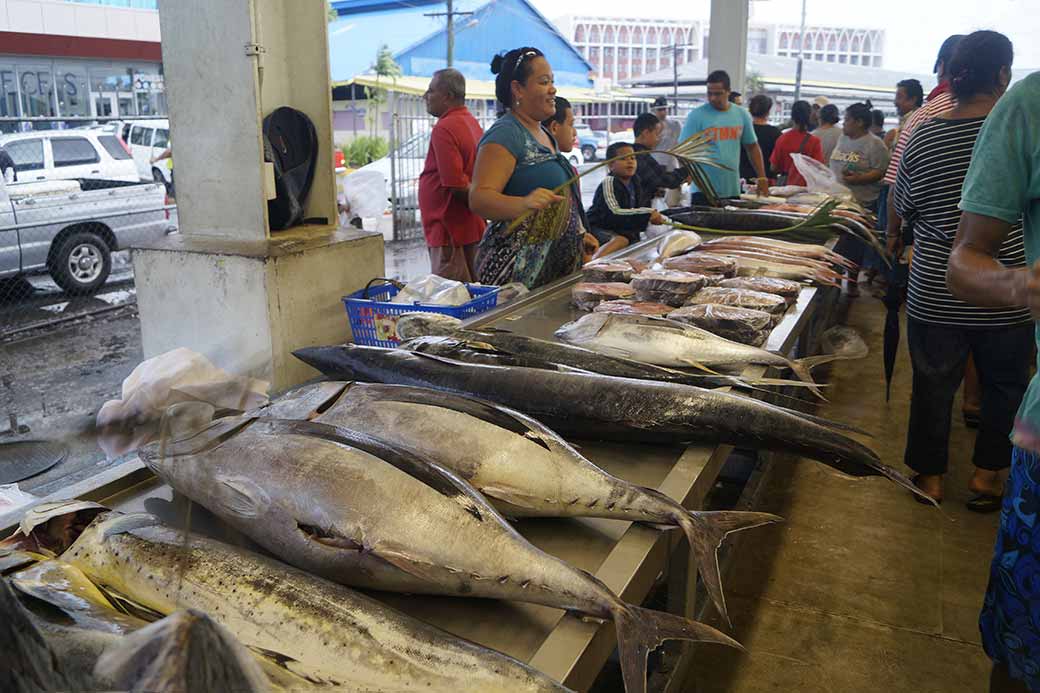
(590, 245)
(540, 199)
(657, 218)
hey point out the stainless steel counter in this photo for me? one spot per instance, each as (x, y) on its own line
(629, 558)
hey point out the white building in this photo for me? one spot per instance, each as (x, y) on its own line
(622, 48)
(83, 58)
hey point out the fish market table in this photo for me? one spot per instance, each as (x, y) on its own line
(629, 558)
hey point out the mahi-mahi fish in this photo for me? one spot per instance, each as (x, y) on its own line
(607, 408)
(360, 511)
(326, 632)
(521, 465)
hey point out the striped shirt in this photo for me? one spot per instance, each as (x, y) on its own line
(937, 103)
(928, 192)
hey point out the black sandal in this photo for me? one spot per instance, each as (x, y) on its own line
(918, 498)
(985, 503)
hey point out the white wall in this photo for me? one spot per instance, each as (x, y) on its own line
(57, 17)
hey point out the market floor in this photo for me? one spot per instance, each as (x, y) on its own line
(861, 589)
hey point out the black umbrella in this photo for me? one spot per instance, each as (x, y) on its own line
(894, 297)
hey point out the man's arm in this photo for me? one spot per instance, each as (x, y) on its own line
(754, 152)
(976, 276)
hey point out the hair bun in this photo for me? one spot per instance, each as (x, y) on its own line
(496, 64)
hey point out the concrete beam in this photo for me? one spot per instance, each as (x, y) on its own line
(727, 39)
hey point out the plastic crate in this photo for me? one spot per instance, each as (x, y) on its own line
(373, 319)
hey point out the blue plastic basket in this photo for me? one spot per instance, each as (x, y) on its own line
(373, 319)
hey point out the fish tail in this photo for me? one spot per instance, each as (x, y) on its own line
(706, 531)
(641, 630)
(801, 371)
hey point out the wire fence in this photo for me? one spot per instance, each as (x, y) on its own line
(75, 196)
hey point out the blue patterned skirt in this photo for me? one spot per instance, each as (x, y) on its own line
(1010, 619)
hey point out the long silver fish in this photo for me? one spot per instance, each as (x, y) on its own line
(606, 408)
(670, 343)
(330, 634)
(522, 466)
(357, 510)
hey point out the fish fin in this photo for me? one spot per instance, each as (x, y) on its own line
(810, 362)
(706, 531)
(512, 496)
(399, 558)
(803, 374)
(242, 497)
(641, 630)
(439, 359)
(120, 524)
(700, 366)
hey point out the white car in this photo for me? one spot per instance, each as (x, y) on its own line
(67, 154)
(148, 139)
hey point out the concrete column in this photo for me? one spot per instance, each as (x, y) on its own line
(727, 40)
(226, 286)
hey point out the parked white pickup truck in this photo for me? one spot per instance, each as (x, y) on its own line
(70, 228)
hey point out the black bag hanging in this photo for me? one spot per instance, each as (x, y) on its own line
(291, 144)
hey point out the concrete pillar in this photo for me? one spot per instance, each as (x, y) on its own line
(226, 286)
(727, 40)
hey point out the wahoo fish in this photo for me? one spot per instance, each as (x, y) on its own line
(325, 633)
(607, 408)
(356, 510)
(669, 343)
(523, 467)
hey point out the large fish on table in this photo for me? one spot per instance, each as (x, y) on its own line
(602, 407)
(329, 633)
(522, 466)
(359, 511)
(670, 343)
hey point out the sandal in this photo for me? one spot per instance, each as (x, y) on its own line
(972, 417)
(918, 498)
(985, 503)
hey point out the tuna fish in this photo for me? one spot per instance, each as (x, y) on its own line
(324, 631)
(522, 466)
(359, 511)
(673, 344)
(604, 407)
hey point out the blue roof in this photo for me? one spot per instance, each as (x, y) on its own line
(419, 43)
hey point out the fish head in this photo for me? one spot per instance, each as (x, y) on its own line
(584, 329)
(412, 325)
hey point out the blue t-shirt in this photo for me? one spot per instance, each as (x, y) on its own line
(731, 130)
(536, 165)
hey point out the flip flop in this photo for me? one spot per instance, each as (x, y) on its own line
(916, 497)
(985, 503)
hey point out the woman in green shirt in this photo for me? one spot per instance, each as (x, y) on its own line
(518, 166)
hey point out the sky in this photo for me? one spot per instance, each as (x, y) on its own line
(914, 29)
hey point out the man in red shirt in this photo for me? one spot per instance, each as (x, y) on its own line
(452, 231)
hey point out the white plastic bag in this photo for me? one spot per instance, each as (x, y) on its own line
(677, 243)
(365, 192)
(819, 178)
(433, 290)
(181, 375)
(12, 498)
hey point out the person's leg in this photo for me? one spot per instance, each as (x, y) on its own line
(854, 250)
(1002, 358)
(971, 400)
(673, 197)
(697, 199)
(470, 254)
(937, 355)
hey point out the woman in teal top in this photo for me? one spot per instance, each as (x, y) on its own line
(518, 166)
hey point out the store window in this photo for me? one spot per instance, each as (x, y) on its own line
(73, 94)
(73, 151)
(27, 154)
(8, 90)
(37, 86)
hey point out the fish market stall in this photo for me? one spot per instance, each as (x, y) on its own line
(629, 558)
